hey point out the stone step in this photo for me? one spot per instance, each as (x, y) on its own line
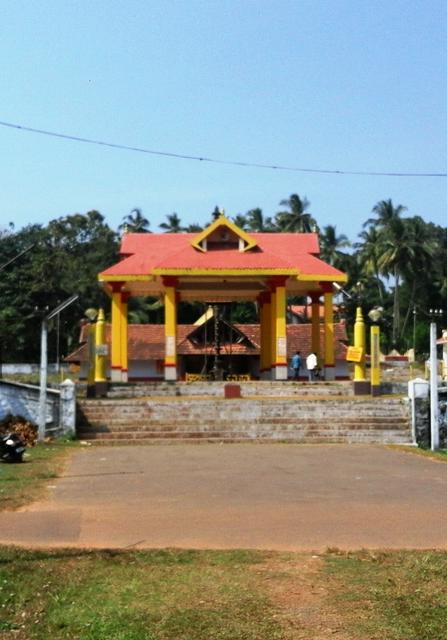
(208, 419)
(253, 388)
(253, 417)
(255, 433)
(371, 422)
(346, 438)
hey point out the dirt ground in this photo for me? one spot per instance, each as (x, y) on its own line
(284, 497)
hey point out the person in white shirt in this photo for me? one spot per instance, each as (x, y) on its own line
(311, 364)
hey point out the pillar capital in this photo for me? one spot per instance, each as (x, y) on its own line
(326, 287)
(125, 295)
(314, 297)
(116, 287)
(277, 281)
(169, 281)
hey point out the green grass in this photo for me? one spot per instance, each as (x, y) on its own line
(222, 595)
(154, 595)
(25, 482)
(391, 595)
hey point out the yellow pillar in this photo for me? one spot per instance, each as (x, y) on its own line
(375, 360)
(361, 385)
(115, 358)
(123, 337)
(272, 349)
(91, 354)
(170, 329)
(101, 349)
(281, 334)
(315, 298)
(329, 355)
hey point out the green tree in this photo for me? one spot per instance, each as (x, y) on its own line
(240, 221)
(135, 222)
(66, 257)
(331, 245)
(297, 218)
(194, 228)
(257, 222)
(370, 250)
(173, 225)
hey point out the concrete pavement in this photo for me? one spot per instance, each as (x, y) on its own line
(285, 497)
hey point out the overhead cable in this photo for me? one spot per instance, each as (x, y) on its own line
(235, 163)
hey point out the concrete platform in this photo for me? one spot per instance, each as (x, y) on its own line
(286, 497)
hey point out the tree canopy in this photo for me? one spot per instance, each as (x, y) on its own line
(398, 262)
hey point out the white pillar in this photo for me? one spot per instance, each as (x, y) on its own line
(434, 404)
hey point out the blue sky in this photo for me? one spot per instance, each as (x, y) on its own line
(350, 85)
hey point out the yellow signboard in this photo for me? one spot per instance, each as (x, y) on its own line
(354, 354)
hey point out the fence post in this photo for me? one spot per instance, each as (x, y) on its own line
(67, 407)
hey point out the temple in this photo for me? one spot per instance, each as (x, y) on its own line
(220, 265)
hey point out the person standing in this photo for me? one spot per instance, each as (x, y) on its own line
(296, 365)
(311, 364)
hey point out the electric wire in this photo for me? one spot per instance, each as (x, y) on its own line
(234, 163)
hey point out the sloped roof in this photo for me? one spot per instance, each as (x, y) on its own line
(147, 341)
(168, 253)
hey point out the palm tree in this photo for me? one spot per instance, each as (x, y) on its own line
(369, 254)
(424, 243)
(330, 245)
(135, 222)
(297, 219)
(240, 221)
(386, 213)
(193, 228)
(257, 222)
(172, 225)
(396, 249)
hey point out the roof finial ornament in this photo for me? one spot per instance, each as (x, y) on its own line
(222, 212)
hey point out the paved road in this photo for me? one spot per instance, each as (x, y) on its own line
(287, 497)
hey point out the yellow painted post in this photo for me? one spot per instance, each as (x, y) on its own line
(315, 298)
(170, 332)
(101, 349)
(91, 354)
(272, 333)
(360, 383)
(375, 360)
(329, 355)
(281, 335)
(123, 337)
(115, 360)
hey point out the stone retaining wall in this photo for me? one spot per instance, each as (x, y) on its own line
(23, 400)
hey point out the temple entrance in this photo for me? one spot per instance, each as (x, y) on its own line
(224, 264)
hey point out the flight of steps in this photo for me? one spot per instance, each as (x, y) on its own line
(320, 414)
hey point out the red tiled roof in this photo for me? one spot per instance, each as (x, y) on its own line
(147, 341)
(145, 252)
(305, 311)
